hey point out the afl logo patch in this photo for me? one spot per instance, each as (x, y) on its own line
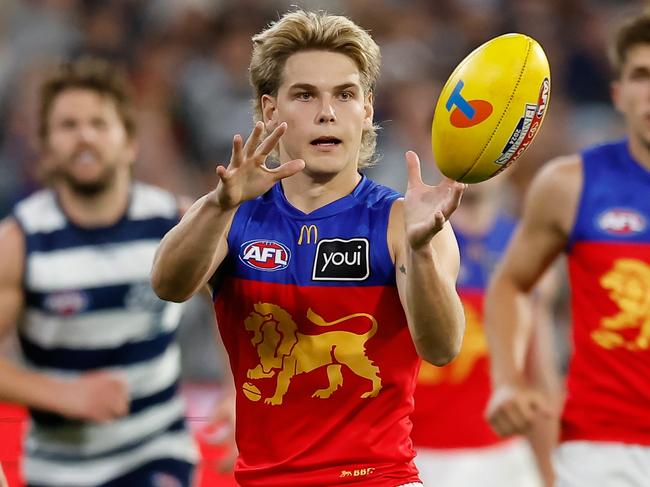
(265, 255)
(66, 303)
(341, 260)
(621, 221)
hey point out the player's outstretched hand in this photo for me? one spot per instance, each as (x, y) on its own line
(427, 208)
(100, 397)
(247, 176)
(513, 409)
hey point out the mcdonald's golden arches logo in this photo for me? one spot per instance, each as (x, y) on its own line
(307, 231)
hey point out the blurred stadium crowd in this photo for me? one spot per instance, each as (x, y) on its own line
(188, 60)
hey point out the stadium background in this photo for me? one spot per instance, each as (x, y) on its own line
(188, 62)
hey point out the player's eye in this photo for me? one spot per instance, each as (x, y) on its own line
(99, 123)
(640, 74)
(67, 124)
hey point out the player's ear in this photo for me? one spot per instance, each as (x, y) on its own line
(370, 111)
(133, 149)
(269, 112)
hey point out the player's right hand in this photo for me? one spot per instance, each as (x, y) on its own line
(247, 176)
(513, 409)
(99, 397)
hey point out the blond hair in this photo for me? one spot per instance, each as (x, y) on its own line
(298, 31)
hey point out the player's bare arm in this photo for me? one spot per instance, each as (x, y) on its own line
(12, 246)
(543, 233)
(16, 384)
(191, 252)
(543, 375)
(427, 263)
(3, 480)
(99, 396)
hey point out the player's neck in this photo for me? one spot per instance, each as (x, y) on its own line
(99, 210)
(640, 151)
(308, 193)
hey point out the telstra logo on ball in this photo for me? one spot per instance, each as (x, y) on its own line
(466, 113)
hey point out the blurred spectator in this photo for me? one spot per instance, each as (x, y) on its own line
(214, 97)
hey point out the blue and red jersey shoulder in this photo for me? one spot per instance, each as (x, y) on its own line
(462, 388)
(322, 358)
(614, 206)
(330, 246)
(609, 268)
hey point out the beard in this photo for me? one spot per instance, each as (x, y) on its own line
(84, 188)
(63, 171)
(90, 188)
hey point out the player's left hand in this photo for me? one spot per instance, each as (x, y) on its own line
(427, 208)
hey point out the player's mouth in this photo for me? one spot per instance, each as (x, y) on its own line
(85, 157)
(326, 143)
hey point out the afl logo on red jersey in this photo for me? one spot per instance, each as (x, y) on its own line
(265, 255)
(621, 221)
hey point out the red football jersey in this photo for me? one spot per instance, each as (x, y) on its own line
(608, 391)
(450, 401)
(321, 354)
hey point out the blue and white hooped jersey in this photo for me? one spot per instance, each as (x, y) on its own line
(89, 306)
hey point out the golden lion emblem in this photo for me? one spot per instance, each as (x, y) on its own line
(282, 348)
(629, 285)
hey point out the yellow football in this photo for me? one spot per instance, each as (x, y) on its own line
(491, 108)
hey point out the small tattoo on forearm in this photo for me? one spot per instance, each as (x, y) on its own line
(402, 269)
